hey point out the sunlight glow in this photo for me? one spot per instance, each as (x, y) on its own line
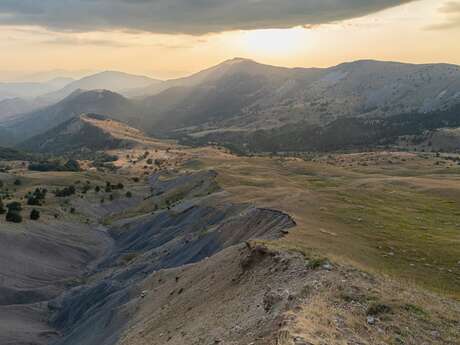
(275, 42)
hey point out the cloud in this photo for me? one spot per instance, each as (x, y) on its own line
(74, 41)
(451, 10)
(183, 16)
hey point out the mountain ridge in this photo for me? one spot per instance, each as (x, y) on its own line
(114, 81)
(243, 95)
(96, 101)
(91, 132)
(246, 95)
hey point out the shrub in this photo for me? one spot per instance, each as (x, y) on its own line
(2, 208)
(34, 214)
(14, 217)
(67, 191)
(36, 198)
(72, 210)
(17, 182)
(129, 194)
(14, 206)
(32, 201)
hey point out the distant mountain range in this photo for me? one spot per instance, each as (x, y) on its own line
(20, 98)
(244, 95)
(110, 80)
(240, 97)
(37, 122)
(31, 90)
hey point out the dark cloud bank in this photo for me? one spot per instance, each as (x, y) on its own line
(183, 16)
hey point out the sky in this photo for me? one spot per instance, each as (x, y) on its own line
(172, 38)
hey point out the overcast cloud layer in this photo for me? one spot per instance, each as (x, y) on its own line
(183, 16)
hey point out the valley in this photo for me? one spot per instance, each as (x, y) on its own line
(245, 204)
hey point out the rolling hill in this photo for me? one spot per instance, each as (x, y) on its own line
(433, 131)
(84, 132)
(96, 101)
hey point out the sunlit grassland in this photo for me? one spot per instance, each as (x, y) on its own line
(400, 220)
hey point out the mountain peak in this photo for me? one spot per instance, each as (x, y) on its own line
(239, 60)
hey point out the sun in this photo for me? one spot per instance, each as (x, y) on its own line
(275, 42)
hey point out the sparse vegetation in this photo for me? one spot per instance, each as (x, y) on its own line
(14, 212)
(14, 217)
(37, 197)
(14, 206)
(55, 165)
(34, 214)
(65, 192)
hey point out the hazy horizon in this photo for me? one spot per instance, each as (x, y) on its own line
(423, 31)
(44, 76)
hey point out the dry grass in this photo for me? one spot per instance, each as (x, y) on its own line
(400, 218)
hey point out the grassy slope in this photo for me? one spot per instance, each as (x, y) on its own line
(400, 218)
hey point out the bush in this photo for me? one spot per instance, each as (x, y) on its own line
(2, 208)
(17, 182)
(36, 198)
(129, 194)
(32, 201)
(34, 214)
(14, 206)
(14, 217)
(67, 191)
